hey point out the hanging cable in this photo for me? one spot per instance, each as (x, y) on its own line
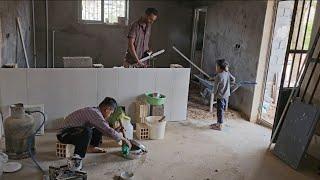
(31, 137)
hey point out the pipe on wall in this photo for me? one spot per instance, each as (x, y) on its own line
(34, 36)
(53, 61)
(47, 35)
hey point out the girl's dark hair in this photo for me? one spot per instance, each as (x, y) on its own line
(153, 11)
(222, 63)
(108, 102)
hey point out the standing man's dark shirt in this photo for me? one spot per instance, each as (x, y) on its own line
(138, 39)
(141, 32)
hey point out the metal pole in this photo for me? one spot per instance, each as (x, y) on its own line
(310, 78)
(315, 88)
(22, 42)
(304, 35)
(181, 54)
(293, 19)
(34, 36)
(47, 34)
(294, 93)
(297, 41)
(53, 61)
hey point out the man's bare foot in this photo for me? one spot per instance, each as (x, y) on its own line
(92, 149)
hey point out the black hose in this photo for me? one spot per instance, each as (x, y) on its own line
(31, 137)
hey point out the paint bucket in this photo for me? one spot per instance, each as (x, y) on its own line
(157, 128)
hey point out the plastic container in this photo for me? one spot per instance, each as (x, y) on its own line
(157, 129)
(155, 99)
(128, 128)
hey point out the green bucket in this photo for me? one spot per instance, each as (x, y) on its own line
(155, 99)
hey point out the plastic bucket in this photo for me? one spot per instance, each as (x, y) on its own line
(157, 129)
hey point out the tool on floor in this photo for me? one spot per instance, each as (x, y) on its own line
(126, 175)
(63, 173)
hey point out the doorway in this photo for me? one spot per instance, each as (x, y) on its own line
(199, 25)
(290, 43)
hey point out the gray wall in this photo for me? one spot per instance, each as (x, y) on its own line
(11, 48)
(230, 23)
(107, 44)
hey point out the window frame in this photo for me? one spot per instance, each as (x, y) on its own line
(82, 21)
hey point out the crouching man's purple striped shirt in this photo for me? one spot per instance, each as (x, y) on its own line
(90, 117)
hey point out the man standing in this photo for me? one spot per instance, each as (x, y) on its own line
(138, 39)
(87, 125)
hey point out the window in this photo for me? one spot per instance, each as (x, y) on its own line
(104, 11)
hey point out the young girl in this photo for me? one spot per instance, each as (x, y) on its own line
(222, 82)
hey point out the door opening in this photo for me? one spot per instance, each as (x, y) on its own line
(199, 25)
(290, 43)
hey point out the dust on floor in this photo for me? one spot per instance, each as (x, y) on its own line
(190, 151)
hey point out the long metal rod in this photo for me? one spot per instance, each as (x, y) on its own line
(297, 40)
(294, 92)
(293, 17)
(22, 42)
(304, 35)
(187, 59)
(47, 34)
(315, 88)
(34, 36)
(310, 78)
(53, 37)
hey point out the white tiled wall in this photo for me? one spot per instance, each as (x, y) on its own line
(64, 90)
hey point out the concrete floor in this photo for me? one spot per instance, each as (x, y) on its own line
(190, 151)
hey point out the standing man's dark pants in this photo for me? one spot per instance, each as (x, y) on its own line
(80, 138)
(221, 107)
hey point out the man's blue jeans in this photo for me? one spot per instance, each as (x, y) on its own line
(221, 107)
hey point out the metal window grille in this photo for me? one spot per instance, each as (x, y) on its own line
(299, 41)
(91, 10)
(105, 11)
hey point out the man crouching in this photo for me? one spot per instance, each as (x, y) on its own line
(84, 129)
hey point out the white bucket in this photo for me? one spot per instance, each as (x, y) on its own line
(157, 129)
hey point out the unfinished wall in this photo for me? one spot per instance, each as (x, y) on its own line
(10, 44)
(107, 44)
(279, 45)
(234, 32)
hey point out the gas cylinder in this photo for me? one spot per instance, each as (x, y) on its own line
(19, 129)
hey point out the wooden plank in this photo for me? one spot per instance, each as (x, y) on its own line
(22, 42)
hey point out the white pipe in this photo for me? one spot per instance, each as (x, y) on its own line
(47, 34)
(53, 61)
(187, 59)
(34, 36)
(152, 55)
